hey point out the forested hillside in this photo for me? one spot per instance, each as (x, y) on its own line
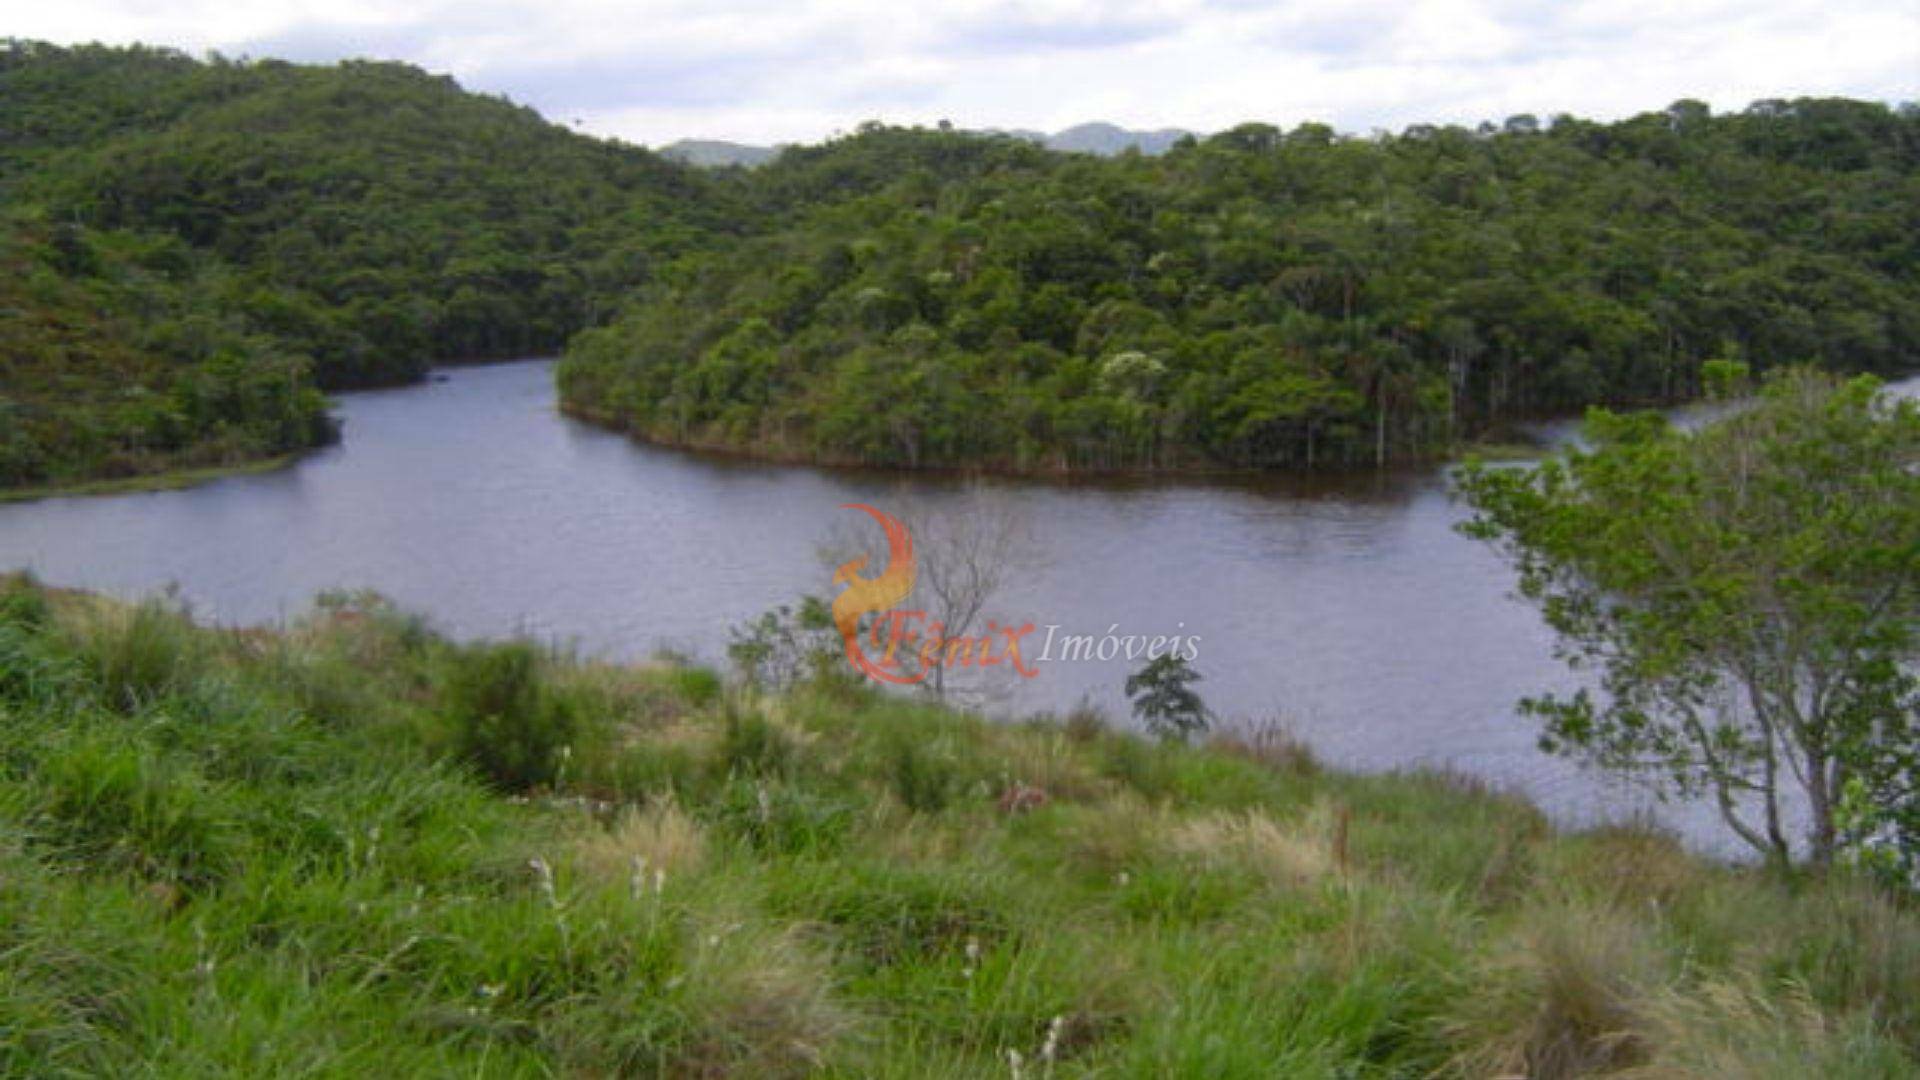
(117, 361)
(1268, 298)
(193, 248)
(342, 225)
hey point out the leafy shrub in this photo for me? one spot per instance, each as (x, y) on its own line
(785, 646)
(751, 745)
(22, 602)
(924, 779)
(506, 717)
(697, 686)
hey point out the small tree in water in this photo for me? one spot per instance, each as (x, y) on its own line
(1164, 699)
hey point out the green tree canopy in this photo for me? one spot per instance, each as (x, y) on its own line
(1747, 600)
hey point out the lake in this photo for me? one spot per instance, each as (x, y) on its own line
(1346, 608)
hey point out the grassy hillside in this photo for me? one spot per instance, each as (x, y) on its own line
(358, 221)
(1266, 298)
(357, 849)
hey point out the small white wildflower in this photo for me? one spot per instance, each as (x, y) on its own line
(1052, 1044)
(545, 874)
(1122, 878)
(1017, 1063)
(637, 882)
(659, 881)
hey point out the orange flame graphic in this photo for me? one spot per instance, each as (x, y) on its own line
(871, 595)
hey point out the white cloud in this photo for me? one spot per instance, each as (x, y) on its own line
(763, 70)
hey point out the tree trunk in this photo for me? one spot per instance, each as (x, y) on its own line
(1820, 831)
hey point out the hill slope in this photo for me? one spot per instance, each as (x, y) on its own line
(906, 297)
(1098, 137)
(368, 218)
(1266, 298)
(120, 357)
(717, 153)
(358, 849)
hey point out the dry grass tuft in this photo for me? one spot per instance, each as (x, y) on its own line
(1112, 836)
(662, 837)
(1562, 1002)
(1269, 743)
(1733, 1028)
(1308, 852)
(1049, 761)
(908, 838)
(1634, 863)
(767, 1003)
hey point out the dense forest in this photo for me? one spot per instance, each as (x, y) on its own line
(118, 361)
(1268, 298)
(183, 237)
(195, 250)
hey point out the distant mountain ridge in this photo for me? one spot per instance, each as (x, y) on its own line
(718, 153)
(1106, 140)
(1096, 137)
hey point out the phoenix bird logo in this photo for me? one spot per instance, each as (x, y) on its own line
(872, 595)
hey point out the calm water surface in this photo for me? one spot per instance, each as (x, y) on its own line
(1349, 608)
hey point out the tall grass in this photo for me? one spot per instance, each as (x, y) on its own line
(506, 717)
(356, 848)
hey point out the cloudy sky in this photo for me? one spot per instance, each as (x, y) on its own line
(651, 71)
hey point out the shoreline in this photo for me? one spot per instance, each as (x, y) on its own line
(164, 480)
(605, 421)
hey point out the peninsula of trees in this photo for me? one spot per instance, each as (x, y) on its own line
(1263, 298)
(195, 251)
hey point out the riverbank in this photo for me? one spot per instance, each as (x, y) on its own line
(774, 454)
(355, 846)
(165, 480)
